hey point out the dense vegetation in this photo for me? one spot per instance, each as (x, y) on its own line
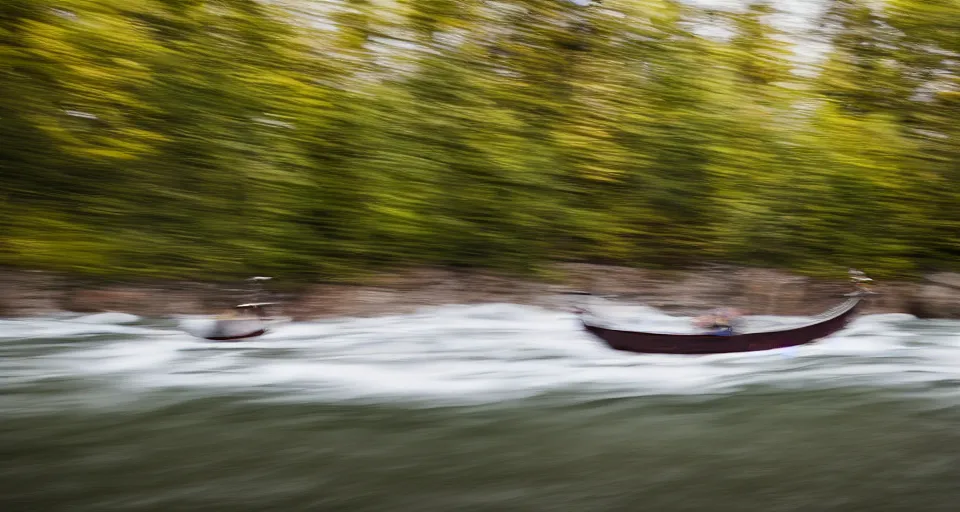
(213, 138)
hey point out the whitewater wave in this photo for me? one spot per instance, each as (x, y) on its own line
(458, 354)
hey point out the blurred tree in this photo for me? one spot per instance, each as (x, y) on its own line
(319, 140)
(928, 52)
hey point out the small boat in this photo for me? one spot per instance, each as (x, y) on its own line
(245, 321)
(822, 326)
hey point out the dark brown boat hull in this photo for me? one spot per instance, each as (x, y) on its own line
(236, 329)
(699, 344)
(254, 334)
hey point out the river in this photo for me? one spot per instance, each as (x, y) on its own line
(473, 408)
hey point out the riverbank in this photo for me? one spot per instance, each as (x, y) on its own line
(760, 291)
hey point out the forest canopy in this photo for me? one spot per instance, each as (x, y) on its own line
(318, 140)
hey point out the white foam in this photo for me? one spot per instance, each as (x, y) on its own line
(108, 318)
(462, 354)
(67, 328)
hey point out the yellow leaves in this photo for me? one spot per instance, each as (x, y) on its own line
(46, 39)
(91, 73)
(127, 63)
(104, 154)
(577, 141)
(56, 242)
(98, 61)
(400, 213)
(144, 135)
(600, 173)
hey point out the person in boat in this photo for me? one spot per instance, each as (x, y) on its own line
(720, 322)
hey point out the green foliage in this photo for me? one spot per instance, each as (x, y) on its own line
(211, 139)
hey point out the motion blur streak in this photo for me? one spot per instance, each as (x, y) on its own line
(319, 140)
(473, 408)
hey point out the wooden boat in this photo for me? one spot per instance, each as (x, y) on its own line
(822, 326)
(248, 321)
(245, 321)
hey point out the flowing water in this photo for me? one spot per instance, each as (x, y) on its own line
(479, 408)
